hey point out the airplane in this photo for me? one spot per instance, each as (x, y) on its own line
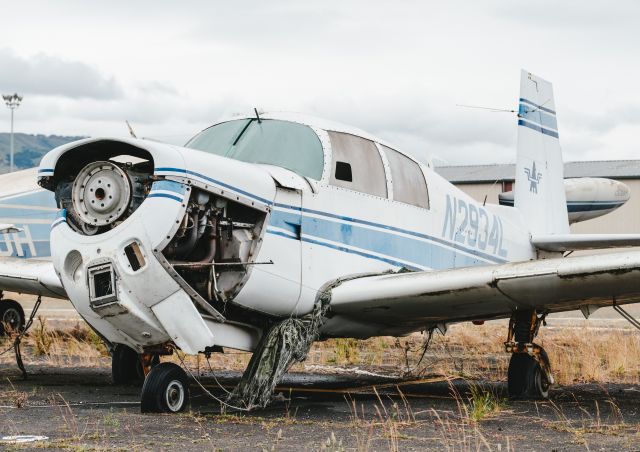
(268, 231)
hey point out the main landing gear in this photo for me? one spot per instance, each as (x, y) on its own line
(128, 367)
(529, 375)
(11, 317)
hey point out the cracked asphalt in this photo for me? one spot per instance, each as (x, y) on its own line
(79, 409)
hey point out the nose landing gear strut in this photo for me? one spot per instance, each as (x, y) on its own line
(529, 375)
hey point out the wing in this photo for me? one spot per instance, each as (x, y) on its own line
(30, 276)
(26, 213)
(399, 303)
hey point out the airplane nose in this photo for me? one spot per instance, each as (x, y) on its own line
(108, 274)
(148, 250)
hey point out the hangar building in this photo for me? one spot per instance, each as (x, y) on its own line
(489, 180)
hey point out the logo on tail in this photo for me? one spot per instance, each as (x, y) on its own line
(534, 178)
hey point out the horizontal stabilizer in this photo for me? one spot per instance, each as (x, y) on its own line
(569, 242)
(7, 228)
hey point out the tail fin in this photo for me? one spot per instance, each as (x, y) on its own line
(539, 191)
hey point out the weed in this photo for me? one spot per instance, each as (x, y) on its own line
(482, 403)
(111, 420)
(69, 418)
(347, 351)
(83, 334)
(17, 398)
(43, 339)
(332, 444)
(613, 425)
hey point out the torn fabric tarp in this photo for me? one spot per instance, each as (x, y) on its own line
(283, 344)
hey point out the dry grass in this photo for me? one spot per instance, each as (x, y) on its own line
(393, 421)
(483, 403)
(14, 397)
(471, 351)
(474, 351)
(77, 346)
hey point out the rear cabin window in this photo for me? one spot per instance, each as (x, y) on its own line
(357, 165)
(409, 185)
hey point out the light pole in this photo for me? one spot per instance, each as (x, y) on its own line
(13, 102)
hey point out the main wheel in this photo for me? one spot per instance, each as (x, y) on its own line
(526, 379)
(126, 367)
(11, 317)
(165, 390)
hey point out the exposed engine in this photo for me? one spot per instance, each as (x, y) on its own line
(213, 246)
(215, 230)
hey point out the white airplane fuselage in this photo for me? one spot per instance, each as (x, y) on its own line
(267, 232)
(313, 233)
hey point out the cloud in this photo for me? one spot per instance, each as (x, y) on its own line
(49, 75)
(572, 15)
(424, 124)
(396, 70)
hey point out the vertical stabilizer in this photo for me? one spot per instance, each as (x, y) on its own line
(539, 191)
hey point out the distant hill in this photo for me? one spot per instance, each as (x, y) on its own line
(28, 149)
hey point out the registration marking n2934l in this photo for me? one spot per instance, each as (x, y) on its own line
(471, 225)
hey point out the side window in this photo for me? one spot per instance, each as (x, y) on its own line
(357, 165)
(408, 181)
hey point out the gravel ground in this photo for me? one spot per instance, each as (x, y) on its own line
(79, 409)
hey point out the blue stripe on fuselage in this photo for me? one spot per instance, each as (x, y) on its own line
(169, 185)
(215, 181)
(386, 241)
(420, 249)
(164, 195)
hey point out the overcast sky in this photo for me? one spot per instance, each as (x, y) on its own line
(394, 68)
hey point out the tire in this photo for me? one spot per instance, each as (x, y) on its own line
(11, 317)
(517, 381)
(540, 385)
(165, 390)
(526, 379)
(126, 367)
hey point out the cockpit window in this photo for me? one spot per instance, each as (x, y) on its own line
(290, 145)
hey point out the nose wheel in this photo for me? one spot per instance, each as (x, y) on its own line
(529, 375)
(165, 390)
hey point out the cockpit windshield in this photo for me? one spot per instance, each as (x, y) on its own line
(270, 141)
